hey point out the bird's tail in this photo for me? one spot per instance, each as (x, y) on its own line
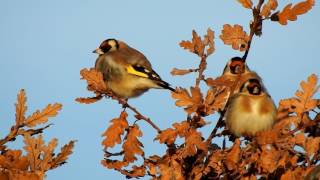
(165, 85)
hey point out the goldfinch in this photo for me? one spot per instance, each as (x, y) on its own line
(250, 110)
(234, 68)
(126, 71)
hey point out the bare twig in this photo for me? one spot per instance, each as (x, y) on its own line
(215, 129)
(138, 115)
(202, 67)
(11, 136)
(255, 26)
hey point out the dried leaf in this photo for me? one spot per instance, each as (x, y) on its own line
(209, 41)
(198, 46)
(291, 13)
(193, 143)
(48, 153)
(167, 136)
(136, 172)
(266, 9)
(165, 171)
(192, 102)
(33, 147)
(269, 158)
(233, 156)
(13, 159)
(43, 116)
(115, 130)
(219, 81)
(235, 36)
(215, 163)
(132, 145)
(246, 3)
(177, 170)
(94, 80)
(89, 100)
(64, 154)
(114, 164)
(303, 102)
(179, 72)
(216, 99)
(21, 107)
(312, 145)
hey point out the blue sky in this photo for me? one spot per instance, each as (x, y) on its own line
(44, 45)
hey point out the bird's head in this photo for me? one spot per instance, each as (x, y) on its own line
(106, 46)
(236, 65)
(252, 87)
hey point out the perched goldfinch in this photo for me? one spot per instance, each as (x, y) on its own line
(234, 68)
(250, 110)
(126, 71)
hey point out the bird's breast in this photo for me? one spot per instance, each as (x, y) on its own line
(249, 115)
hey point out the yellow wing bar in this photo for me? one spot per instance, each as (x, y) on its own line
(131, 70)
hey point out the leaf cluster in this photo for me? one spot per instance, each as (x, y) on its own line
(40, 157)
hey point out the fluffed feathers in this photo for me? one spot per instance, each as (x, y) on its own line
(251, 110)
(126, 71)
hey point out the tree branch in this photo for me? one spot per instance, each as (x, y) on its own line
(138, 115)
(255, 27)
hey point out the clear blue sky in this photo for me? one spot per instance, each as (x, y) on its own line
(44, 44)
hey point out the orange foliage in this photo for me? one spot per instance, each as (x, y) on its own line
(290, 150)
(246, 3)
(291, 12)
(39, 157)
(235, 36)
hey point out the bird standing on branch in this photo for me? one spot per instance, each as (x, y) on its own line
(126, 71)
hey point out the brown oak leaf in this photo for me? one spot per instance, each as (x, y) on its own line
(266, 9)
(234, 36)
(115, 130)
(290, 12)
(191, 102)
(40, 117)
(13, 159)
(136, 172)
(169, 135)
(180, 72)
(246, 3)
(21, 107)
(94, 80)
(233, 156)
(194, 142)
(303, 101)
(312, 145)
(33, 147)
(198, 46)
(114, 164)
(209, 41)
(63, 155)
(89, 100)
(132, 145)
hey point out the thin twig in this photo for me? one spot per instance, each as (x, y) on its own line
(138, 115)
(202, 67)
(215, 129)
(257, 23)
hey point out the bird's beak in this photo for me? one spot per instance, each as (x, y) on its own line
(98, 51)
